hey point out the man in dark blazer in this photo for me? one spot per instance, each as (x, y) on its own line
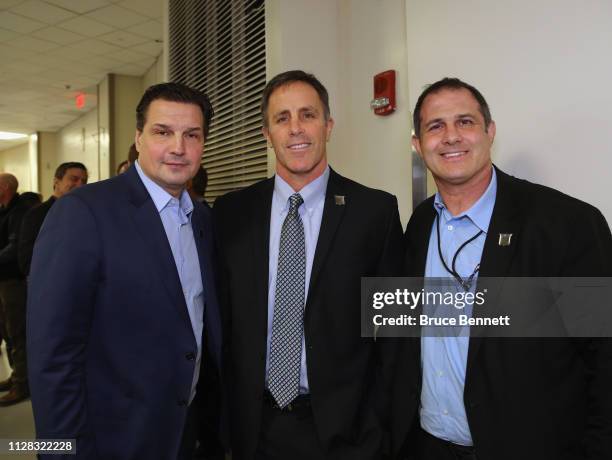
(122, 300)
(68, 176)
(498, 398)
(324, 395)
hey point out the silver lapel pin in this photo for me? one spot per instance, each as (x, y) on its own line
(505, 239)
(339, 200)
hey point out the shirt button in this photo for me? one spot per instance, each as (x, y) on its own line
(440, 373)
(450, 227)
(445, 412)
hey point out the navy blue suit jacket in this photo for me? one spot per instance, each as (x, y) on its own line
(110, 344)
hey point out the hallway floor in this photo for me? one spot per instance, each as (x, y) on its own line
(16, 422)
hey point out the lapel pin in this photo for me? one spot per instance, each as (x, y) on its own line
(339, 200)
(504, 239)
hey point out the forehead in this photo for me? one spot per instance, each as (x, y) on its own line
(449, 102)
(75, 172)
(296, 94)
(163, 111)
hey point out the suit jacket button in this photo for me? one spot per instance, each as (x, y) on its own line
(190, 356)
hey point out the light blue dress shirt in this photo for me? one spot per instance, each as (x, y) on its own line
(311, 213)
(176, 215)
(444, 359)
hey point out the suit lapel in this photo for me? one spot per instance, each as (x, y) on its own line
(497, 257)
(150, 228)
(259, 221)
(332, 215)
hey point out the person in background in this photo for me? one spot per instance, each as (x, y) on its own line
(68, 176)
(197, 186)
(13, 290)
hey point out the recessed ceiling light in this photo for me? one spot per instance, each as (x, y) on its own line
(6, 136)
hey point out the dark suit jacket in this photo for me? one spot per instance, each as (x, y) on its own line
(111, 349)
(345, 371)
(10, 224)
(30, 226)
(544, 399)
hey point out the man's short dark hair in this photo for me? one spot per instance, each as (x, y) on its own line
(60, 172)
(452, 84)
(286, 78)
(174, 92)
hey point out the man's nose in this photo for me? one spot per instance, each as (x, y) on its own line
(295, 125)
(452, 135)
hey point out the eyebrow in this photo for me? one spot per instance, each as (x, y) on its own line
(164, 126)
(457, 117)
(308, 108)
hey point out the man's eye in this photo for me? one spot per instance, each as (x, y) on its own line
(434, 127)
(309, 115)
(281, 119)
(194, 135)
(465, 122)
(162, 133)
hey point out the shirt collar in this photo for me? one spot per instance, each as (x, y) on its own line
(160, 197)
(480, 213)
(312, 193)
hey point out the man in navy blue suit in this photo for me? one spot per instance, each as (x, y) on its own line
(122, 306)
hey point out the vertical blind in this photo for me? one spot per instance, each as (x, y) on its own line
(218, 46)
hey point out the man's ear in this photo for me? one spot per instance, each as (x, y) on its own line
(329, 126)
(266, 133)
(416, 143)
(491, 131)
(138, 140)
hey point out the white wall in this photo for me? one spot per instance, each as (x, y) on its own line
(16, 161)
(155, 74)
(78, 141)
(543, 67)
(335, 40)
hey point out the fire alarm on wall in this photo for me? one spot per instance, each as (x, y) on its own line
(384, 93)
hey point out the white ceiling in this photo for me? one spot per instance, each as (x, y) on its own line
(50, 50)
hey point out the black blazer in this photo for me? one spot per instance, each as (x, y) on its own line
(30, 226)
(345, 371)
(540, 399)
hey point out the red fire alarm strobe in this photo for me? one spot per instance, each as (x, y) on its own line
(384, 93)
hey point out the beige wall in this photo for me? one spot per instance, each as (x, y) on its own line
(16, 160)
(126, 94)
(345, 53)
(78, 141)
(154, 75)
(47, 161)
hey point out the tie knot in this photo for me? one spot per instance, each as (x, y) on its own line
(295, 201)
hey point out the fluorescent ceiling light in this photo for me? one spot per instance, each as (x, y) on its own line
(6, 136)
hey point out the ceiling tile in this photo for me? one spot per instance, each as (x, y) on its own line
(151, 48)
(122, 38)
(80, 6)
(130, 69)
(68, 52)
(85, 26)
(7, 34)
(149, 29)
(150, 8)
(32, 44)
(95, 46)
(104, 62)
(57, 35)
(43, 12)
(18, 23)
(25, 67)
(10, 52)
(117, 17)
(128, 56)
(6, 4)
